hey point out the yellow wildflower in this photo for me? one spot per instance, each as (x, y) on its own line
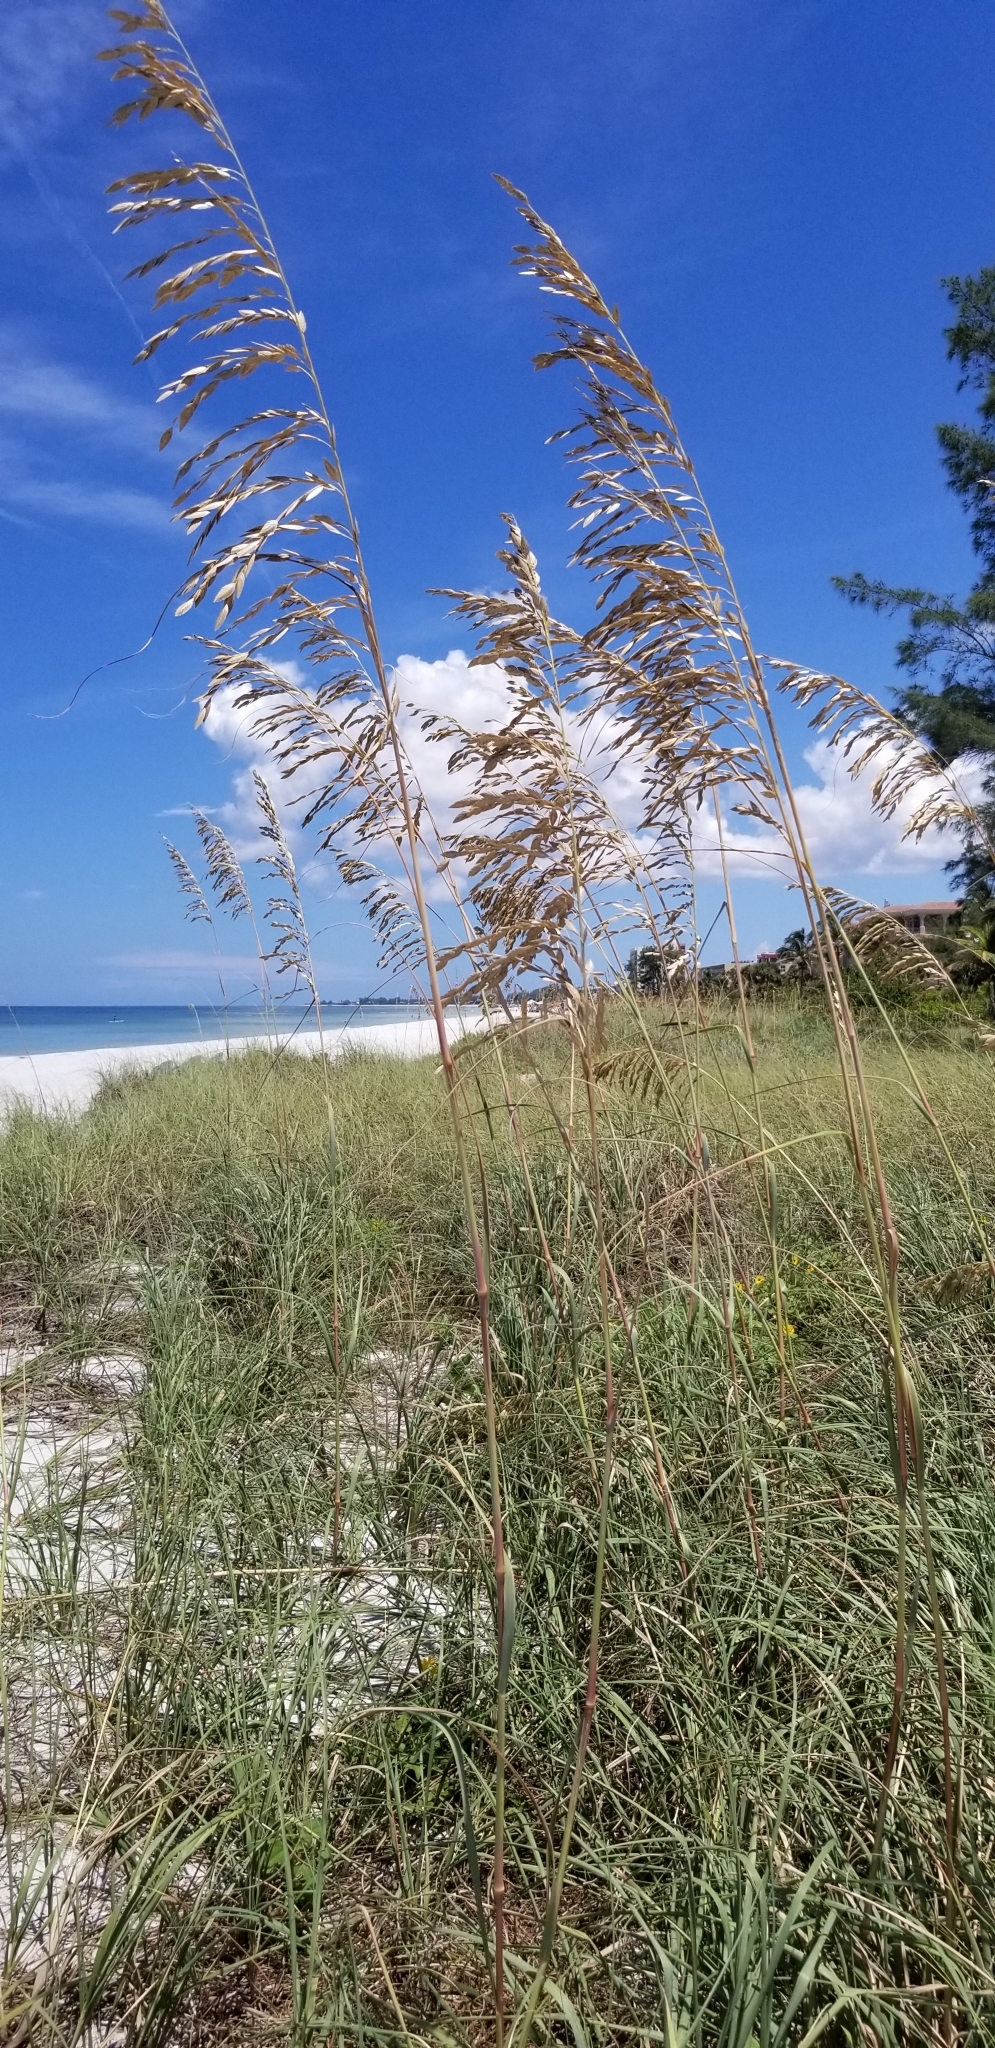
(759, 1279)
(789, 1329)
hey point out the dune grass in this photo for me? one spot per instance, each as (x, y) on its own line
(274, 1778)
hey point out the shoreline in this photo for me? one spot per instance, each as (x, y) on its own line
(66, 1082)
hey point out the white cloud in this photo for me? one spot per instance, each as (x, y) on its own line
(850, 845)
(234, 732)
(845, 835)
(847, 839)
(477, 695)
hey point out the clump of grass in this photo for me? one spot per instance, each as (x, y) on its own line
(286, 1724)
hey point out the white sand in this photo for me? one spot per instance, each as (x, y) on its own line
(69, 1080)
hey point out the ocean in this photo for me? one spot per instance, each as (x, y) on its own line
(31, 1028)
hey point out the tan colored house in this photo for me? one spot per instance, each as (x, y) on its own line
(928, 919)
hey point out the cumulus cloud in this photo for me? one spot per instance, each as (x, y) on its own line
(843, 831)
(479, 695)
(235, 733)
(849, 843)
(846, 837)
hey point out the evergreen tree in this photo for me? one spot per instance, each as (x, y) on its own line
(955, 643)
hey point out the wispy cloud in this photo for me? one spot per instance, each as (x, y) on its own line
(36, 389)
(185, 961)
(62, 431)
(45, 46)
(58, 498)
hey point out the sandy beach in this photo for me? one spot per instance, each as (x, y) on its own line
(68, 1081)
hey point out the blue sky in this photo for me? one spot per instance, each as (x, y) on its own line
(770, 189)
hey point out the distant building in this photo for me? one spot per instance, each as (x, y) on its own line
(648, 970)
(927, 919)
(644, 971)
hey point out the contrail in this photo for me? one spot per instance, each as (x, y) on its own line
(73, 234)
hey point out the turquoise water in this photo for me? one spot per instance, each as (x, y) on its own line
(80, 1028)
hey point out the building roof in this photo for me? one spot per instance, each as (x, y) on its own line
(944, 909)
